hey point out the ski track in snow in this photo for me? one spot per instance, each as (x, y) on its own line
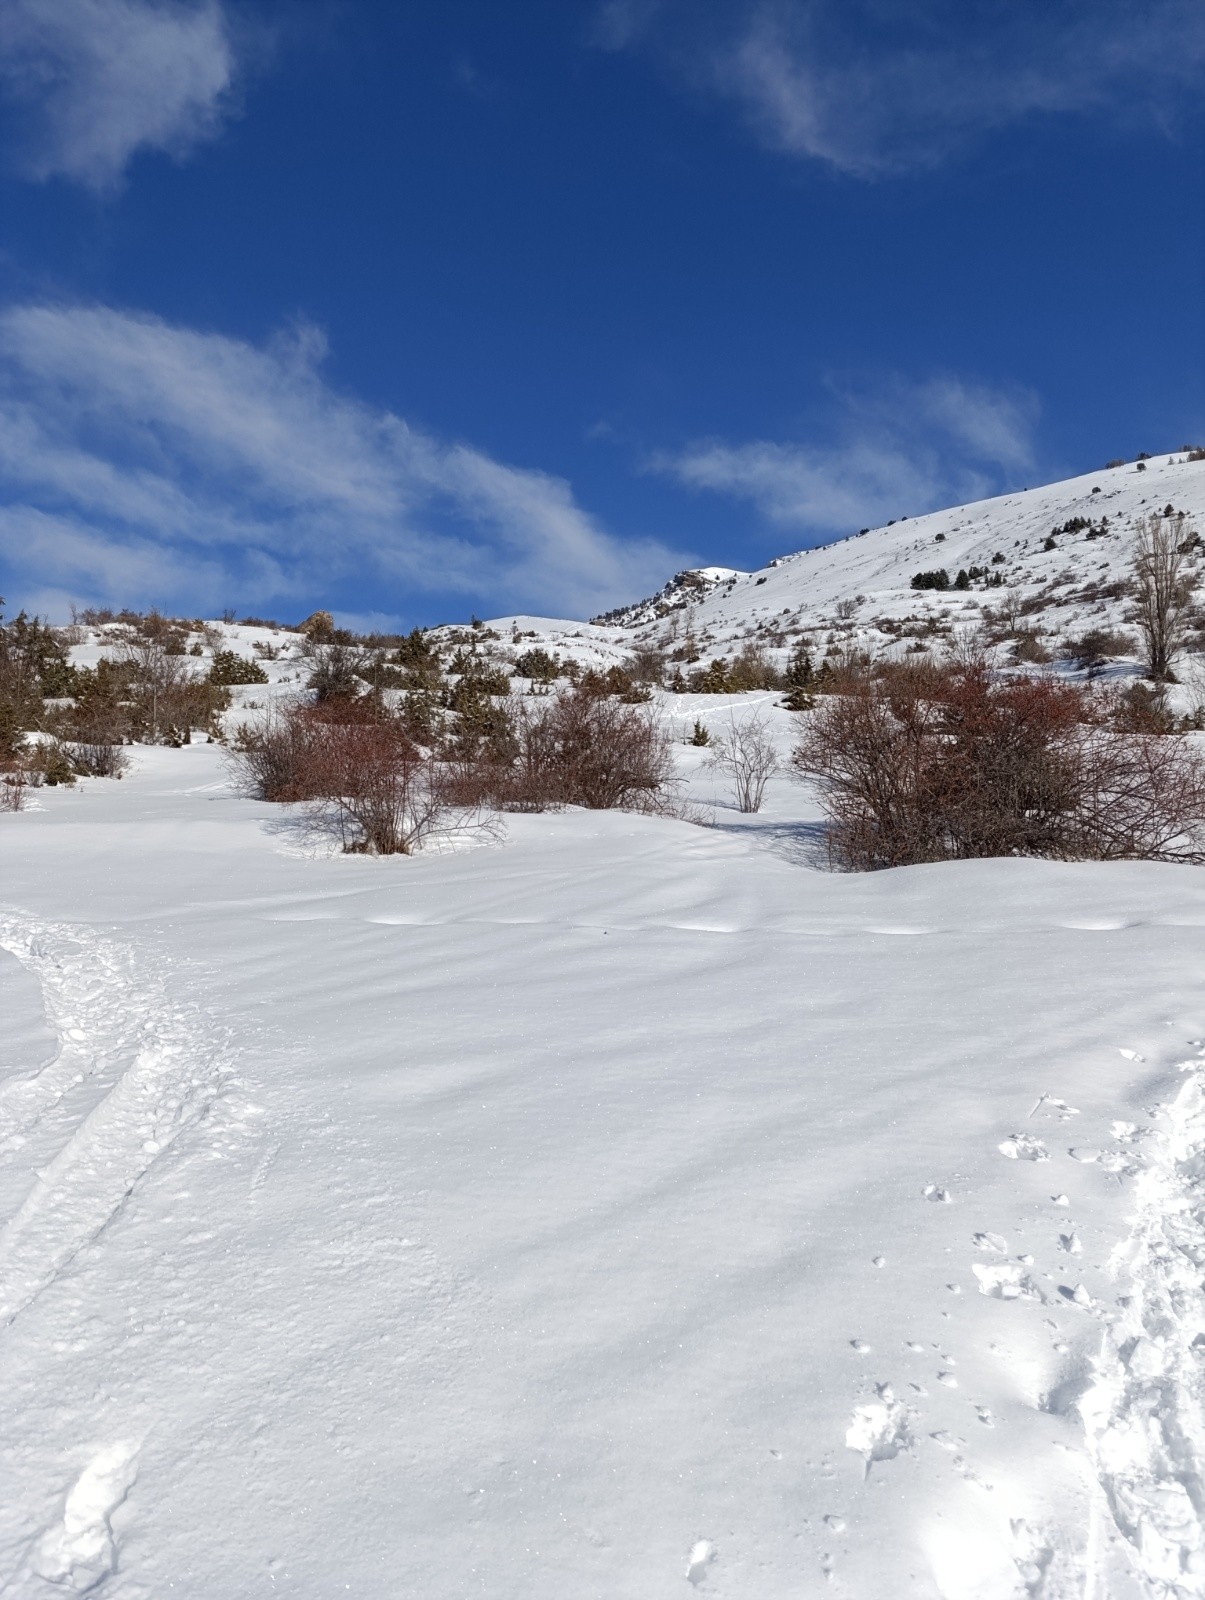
(156, 1067)
(1144, 1415)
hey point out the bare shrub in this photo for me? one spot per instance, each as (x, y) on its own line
(12, 790)
(607, 754)
(1029, 650)
(98, 760)
(1093, 649)
(746, 755)
(336, 672)
(1163, 590)
(1143, 798)
(843, 671)
(378, 787)
(1138, 708)
(168, 697)
(361, 773)
(575, 748)
(977, 767)
(1009, 608)
(277, 761)
(646, 664)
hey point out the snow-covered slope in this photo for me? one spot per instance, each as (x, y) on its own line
(627, 1211)
(872, 572)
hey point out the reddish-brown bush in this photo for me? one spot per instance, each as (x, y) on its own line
(279, 760)
(973, 766)
(605, 754)
(356, 766)
(379, 788)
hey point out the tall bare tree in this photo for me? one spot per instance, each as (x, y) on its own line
(748, 758)
(1163, 589)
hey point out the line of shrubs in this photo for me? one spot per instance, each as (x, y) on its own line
(363, 768)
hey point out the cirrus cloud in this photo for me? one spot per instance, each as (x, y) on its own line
(870, 89)
(898, 449)
(144, 462)
(94, 81)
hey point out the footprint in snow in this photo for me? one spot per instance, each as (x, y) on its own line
(1078, 1296)
(79, 1552)
(878, 1431)
(1007, 1281)
(702, 1554)
(1062, 1110)
(936, 1194)
(1021, 1147)
(1031, 1555)
(991, 1243)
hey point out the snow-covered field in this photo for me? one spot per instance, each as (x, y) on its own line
(622, 1210)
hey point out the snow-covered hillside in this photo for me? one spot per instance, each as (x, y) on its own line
(842, 593)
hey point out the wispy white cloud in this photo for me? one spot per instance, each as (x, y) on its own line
(95, 81)
(898, 449)
(145, 462)
(619, 23)
(869, 89)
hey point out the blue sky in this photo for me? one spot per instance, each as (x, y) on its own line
(438, 306)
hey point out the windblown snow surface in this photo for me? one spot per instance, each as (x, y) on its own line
(621, 1210)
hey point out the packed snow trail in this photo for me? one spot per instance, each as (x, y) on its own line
(132, 1072)
(1145, 1414)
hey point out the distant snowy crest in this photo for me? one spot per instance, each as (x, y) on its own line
(683, 589)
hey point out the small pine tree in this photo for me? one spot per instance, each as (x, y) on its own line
(230, 668)
(799, 679)
(700, 736)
